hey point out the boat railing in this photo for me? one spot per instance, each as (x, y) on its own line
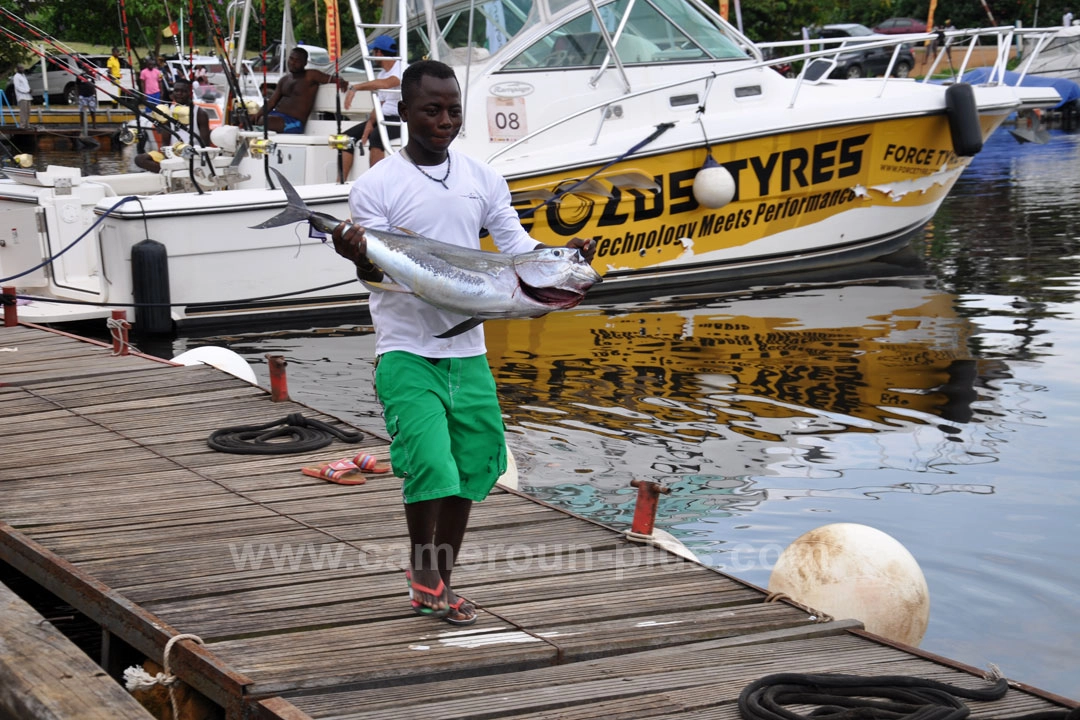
(604, 108)
(1003, 36)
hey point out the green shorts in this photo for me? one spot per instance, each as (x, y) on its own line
(445, 425)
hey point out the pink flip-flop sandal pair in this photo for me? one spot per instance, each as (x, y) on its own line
(347, 471)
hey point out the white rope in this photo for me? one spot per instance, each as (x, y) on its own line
(136, 678)
(117, 330)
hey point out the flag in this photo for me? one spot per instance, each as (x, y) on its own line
(333, 29)
(172, 30)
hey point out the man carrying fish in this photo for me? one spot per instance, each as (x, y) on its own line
(432, 377)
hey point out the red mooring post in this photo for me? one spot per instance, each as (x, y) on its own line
(11, 310)
(648, 495)
(279, 387)
(119, 331)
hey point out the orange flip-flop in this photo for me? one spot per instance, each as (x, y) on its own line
(347, 471)
(342, 472)
(368, 463)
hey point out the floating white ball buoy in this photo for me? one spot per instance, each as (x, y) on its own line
(854, 571)
(221, 358)
(714, 187)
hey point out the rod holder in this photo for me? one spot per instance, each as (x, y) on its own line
(11, 309)
(279, 386)
(648, 495)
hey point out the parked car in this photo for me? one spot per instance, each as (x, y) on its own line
(900, 26)
(62, 71)
(857, 63)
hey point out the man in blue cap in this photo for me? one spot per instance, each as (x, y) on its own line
(387, 84)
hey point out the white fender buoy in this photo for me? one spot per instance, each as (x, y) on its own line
(221, 358)
(509, 478)
(714, 187)
(226, 137)
(854, 571)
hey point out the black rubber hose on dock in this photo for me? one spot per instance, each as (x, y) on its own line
(292, 434)
(884, 697)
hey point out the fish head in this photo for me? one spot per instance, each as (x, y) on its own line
(555, 277)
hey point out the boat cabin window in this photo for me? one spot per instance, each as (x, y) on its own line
(655, 31)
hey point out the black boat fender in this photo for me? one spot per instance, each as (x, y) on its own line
(150, 286)
(963, 114)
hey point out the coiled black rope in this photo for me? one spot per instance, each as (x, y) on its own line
(292, 434)
(884, 697)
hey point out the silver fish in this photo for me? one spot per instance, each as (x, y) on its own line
(478, 284)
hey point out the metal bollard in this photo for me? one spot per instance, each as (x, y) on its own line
(11, 310)
(648, 495)
(279, 386)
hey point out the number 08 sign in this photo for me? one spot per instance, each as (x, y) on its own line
(506, 118)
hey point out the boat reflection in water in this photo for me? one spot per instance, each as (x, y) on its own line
(711, 394)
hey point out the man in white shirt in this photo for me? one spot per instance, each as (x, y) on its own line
(438, 395)
(22, 95)
(386, 83)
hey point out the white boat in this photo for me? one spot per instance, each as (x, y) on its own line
(652, 126)
(1060, 56)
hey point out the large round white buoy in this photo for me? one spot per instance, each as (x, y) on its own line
(854, 571)
(221, 358)
(714, 186)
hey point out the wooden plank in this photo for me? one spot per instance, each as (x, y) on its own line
(296, 584)
(43, 675)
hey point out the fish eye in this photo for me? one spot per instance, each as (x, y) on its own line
(558, 252)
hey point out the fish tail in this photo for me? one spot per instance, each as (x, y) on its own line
(296, 211)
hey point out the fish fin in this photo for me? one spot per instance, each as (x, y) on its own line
(386, 285)
(407, 231)
(296, 211)
(461, 327)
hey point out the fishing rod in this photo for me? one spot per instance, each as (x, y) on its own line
(158, 120)
(266, 120)
(94, 71)
(175, 37)
(337, 114)
(214, 24)
(134, 81)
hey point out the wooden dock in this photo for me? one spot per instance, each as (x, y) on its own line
(111, 499)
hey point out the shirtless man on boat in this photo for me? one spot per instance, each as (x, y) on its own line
(288, 108)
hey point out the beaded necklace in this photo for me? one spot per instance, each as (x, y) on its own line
(424, 172)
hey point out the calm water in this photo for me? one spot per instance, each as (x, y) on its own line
(938, 403)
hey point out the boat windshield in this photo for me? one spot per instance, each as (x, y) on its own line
(656, 31)
(494, 22)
